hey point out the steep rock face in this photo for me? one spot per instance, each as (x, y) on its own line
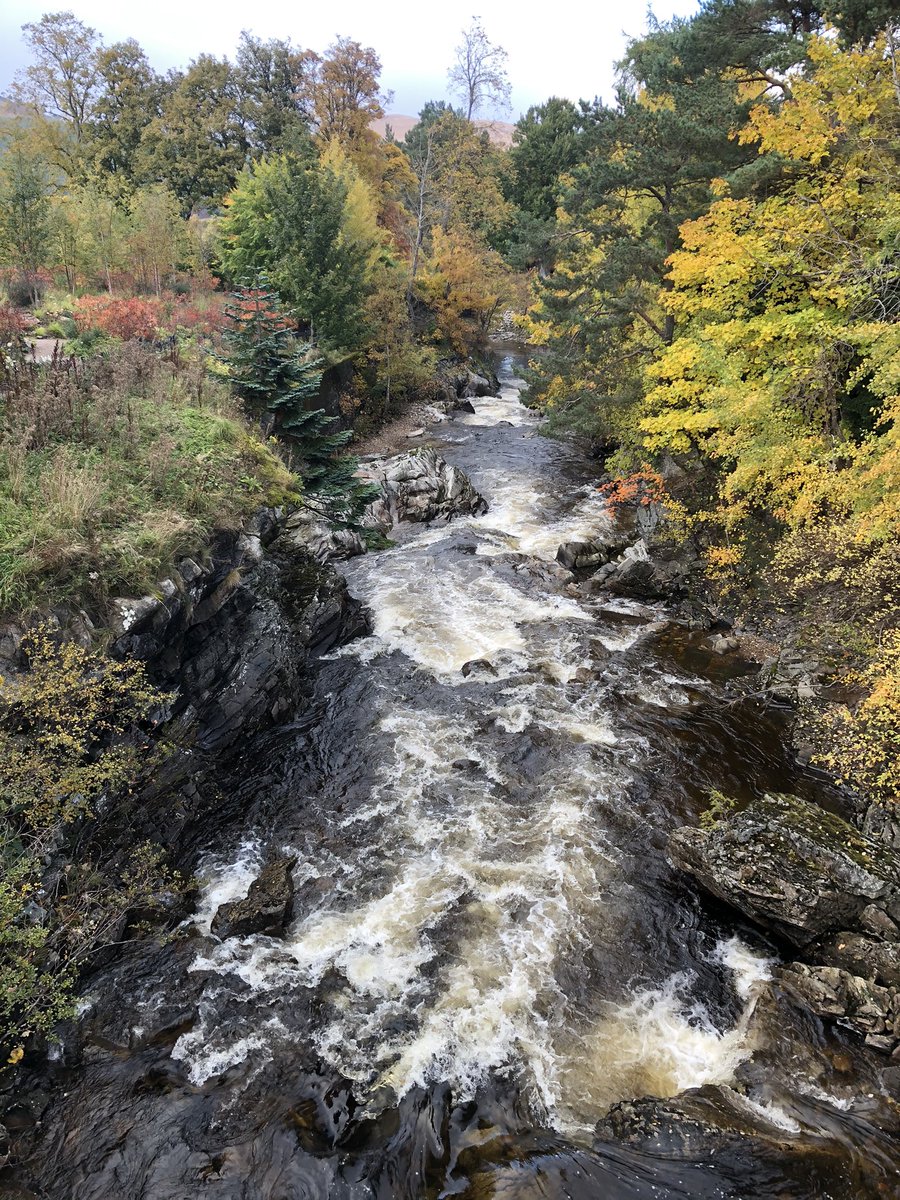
(232, 637)
(829, 890)
(802, 871)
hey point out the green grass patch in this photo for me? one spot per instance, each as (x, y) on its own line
(111, 470)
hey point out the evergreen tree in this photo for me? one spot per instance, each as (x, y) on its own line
(279, 378)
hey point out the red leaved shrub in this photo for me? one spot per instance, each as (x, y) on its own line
(13, 323)
(129, 319)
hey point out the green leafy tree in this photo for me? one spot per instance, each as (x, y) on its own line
(547, 145)
(60, 85)
(286, 220)
(648, 165)
(25, 214)
(198, 143)
(158, 235)
(130, 95)
(275, 79)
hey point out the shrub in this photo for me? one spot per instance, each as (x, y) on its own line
(863, 740)
(70, 734)
(13, 324)
(128, 319)
(26, 290)
(113, 467)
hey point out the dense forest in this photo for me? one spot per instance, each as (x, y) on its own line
(231, 277)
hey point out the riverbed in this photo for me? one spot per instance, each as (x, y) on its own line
(489, 948)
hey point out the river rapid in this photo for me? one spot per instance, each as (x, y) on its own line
(488, 948)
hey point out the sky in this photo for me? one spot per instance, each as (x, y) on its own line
(569, 49)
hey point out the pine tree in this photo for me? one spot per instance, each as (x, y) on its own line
(278, 377)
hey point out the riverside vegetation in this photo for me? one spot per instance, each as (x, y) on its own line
(239, 277)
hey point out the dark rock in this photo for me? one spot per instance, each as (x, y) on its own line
(834, 994)
(638, 575)
(577, 556)
(697, 1124)
(464, 406)
(478, 666)
(265, 909)
(802, 871)
(860, 955)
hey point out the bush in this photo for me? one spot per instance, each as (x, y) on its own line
(70, 734)
(26, 290)
(113, 467)
(13, 324)
(128, 319)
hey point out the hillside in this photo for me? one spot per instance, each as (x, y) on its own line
(500, 132)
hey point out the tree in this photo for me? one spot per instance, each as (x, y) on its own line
(61, 82)
(25, 215)
(464, 284)
(547, 145)
(129, 97)
(648, 165)
(279, 377)
(345, 93)
(92, 232)
(158, 234)
(275, 80)
(198, 144)
(478, 76)
(286, 220)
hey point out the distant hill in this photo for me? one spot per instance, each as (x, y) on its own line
(500, 132)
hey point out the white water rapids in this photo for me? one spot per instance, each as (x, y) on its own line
(493, 881)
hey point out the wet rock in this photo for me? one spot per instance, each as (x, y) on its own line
(422, 486)
(638, 575)
(698, 1123)
(835, 994)
(802, 871)
(861, 955)
(465, 406)
(265, 909)
(232, 642)
(308, 529)
(577, 556)
(478, 666)
(470, 383)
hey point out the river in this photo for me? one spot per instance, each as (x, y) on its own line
(489, 948)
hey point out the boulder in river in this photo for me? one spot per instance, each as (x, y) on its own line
(422, 486)
(804, 872)
(265, 909)
(577, 556)
(642, 574)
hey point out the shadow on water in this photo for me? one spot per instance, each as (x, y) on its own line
(488, 950)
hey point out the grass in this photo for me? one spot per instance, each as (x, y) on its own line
(111, 470)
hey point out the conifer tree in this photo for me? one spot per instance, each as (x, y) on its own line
(279, 377)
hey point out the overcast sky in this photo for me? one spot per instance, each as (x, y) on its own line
(568, 51)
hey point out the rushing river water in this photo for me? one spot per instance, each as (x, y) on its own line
(489, 948)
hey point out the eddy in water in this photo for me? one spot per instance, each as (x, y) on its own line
(488, 949)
